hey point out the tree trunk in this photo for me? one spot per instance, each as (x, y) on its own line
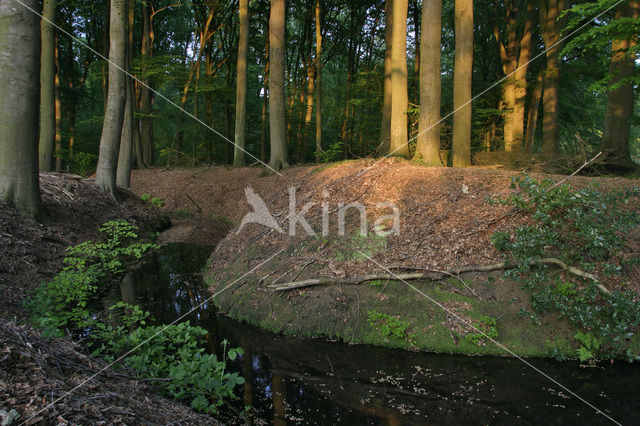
(241, 87)
(520, 77)
(146, 99)
(532, 120)
(277, 117)
(125, 155)
(47, 86)
(385, 126)
(399, 102)
(58, 110)
(428, 143)
(318, 88)
(615, 138)
(19, 92)
(105, 52)
(550, 28)
(463, 71)
(114, 114)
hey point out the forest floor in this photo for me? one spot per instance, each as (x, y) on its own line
(445, 224)
(35, 371)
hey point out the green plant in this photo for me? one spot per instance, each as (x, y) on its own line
(172, 351)
(389, 326)
(486, 327)
(585, 229)
(83, 161)
(158, 202)
(145, 197)
(333, 153)
(62, 302)
(589, 345)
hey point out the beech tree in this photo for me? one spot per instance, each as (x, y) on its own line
(241, 85)
(400, 98)
(125, 155)
(114, 113)
(19, 94)
(428, 143)
(277, 111)
(462, 73)
(47, 86)
(385, 127)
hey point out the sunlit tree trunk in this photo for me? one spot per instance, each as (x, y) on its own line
(241, 85)
(125, 156)
(534, 107)
(428, 143)
(19, 95)
(114, 114)
(277, 112)
(615, 138)
(265, 99)
(385, 126)
(520, 77)
(47, 86)
(399, 102)
(463, 70)
(550, 28)
(318, 88)
(146, 98)
(58, 110)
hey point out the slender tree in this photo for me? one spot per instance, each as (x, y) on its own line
(277, 110)
(385, 125)
(114, 114)
(318, 88)
(428, 143)
(241, 85)
(400, 99)
(19, 95)
(462, 73)
(47, 86)
(615, 138)
(550, 28)
(532, 119)
(125, 155)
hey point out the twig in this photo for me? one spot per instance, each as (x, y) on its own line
(586, 163)
(194, 202)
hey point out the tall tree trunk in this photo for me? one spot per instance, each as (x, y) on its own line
(534, 107)
(417, 12)
(520, 75)
(428, 143)
(241, 86)
(265, 98)
(318, 88)
(125, 155)
(105, 52)
(277, 113)
(114, 114)
(47, 86)
(58, 110)
(615, 138)
(463, 71)
(385, 125)
(550, 27)
(399, 102)
(19, 92)
(146, 98)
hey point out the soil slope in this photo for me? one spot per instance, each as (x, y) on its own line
(445, 224)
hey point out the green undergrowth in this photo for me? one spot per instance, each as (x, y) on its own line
(174, 353)
(586, 230)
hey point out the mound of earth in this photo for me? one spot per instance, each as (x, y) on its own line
(33, 371)
(445, 226)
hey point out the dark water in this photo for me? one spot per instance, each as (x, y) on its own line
(307, 381)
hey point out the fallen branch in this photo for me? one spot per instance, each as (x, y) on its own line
(431, 274)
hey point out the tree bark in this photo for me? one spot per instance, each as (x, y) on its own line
(428, 143)
(385, 125)
(241, 85)
(615, 138)
(47, 86)
(125, 156)
(58, 109)
(520, 77)
(265, 99)
(146, 99)
(550, 28)
(463, 71)
(532, 120)
(114, 114)
(398, 145)
(277, 111)
(19, 92)
(318, 88)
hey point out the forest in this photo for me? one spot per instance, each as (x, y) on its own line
(493, 147)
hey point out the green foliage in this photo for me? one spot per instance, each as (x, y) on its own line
(158, 202)
(589, 344)
(333, 153)
(175, 352)
(389, 326)
(62, 302)
(145, 197)
(486, 327)
(83, 161)
(586, 229)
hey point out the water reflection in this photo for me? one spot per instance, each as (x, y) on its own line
(303, 381)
